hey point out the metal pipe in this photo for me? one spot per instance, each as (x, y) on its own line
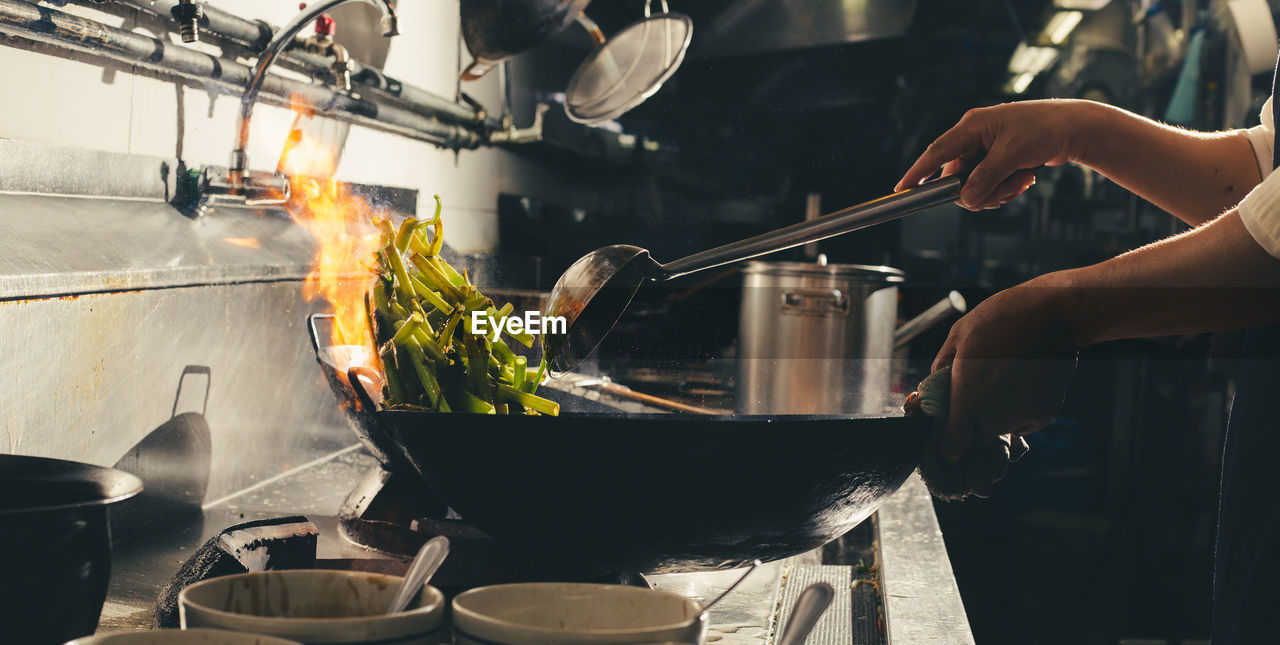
(255, 34)
(73, 34)
(282, 39)
(941, 311)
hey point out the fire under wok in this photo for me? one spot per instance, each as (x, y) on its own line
(652, 493)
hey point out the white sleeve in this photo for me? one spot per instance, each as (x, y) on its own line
(1260, 209)
(1260, 212)
(1262, 138)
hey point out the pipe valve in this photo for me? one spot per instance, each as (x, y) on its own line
(188, 13)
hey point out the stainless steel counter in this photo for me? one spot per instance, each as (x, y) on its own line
(921, 600)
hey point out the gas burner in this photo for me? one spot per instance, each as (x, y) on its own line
(396, 514)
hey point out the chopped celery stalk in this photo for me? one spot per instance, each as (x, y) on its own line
(405, 328)
(429, 346)
(435, 278)
(518, 374)
(429, 294)
(531, 385)
(407, 228)
(404, 289)
(404, 331)
(504, 352)
(455, 278)
(528, 400)
(392, 376)
(425, 375)
(477, 369)
(472, 404)
(446, 334)
(437, 242)
(380, 299)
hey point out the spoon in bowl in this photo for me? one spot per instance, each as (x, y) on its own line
(595, 290)
(425, 565)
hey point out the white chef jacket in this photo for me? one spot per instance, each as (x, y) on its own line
(1260, 209)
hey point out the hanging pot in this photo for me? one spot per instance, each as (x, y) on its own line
(496, 30)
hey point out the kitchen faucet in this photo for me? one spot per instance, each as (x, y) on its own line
(236, 184)
(323, 44)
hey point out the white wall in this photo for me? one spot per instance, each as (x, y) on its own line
(64, 102)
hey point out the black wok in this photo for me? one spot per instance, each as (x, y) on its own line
(649, 493)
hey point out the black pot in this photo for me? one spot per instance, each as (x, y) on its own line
(55, 545)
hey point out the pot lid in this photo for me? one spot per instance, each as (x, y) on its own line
(864, 271)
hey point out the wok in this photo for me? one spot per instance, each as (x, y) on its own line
(652, 493)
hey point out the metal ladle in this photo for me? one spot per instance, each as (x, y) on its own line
(595, 290)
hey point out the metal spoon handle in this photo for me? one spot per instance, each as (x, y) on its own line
(428, 560)
(809, 607)
(876, 211)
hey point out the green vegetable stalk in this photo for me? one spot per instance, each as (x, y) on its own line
(422, 308)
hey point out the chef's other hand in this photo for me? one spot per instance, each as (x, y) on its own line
(1003, 145)
(1011, 361)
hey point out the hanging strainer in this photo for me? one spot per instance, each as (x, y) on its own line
(628, 68)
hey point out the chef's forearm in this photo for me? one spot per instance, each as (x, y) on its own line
(1193, 175)
(1211, 278)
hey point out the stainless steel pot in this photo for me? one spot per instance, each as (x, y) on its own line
(818, 338)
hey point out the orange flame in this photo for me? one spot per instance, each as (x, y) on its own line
(347, 237)
(244, 242)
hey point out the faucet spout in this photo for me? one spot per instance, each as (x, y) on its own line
(281, 41)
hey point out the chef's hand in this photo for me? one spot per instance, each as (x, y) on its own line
(1011, 361)
(1006, 142)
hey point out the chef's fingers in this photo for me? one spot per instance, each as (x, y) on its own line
(958, 142)
(945, 355)
(999, 165)
(1010, 188)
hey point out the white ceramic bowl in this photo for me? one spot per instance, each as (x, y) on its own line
(314, 606)
(184, 637)
(555, 613)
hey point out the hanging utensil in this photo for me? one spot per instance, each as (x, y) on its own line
(595, 290)
(496, 30)
(625, 70)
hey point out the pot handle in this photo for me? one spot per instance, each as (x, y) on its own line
(940, 312)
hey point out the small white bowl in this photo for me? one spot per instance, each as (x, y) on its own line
(314, 606)
(184, 637)
(555, 613)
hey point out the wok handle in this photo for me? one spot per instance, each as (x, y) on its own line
(877, 211)
(354, 376)
(314, 331)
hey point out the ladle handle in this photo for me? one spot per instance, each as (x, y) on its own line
(876, 211)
